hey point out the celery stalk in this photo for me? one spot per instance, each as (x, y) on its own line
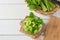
(47, 4)
(43, 7)
(52, 4)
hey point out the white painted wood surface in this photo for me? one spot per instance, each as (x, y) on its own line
(14, 38)
(15, 12)
(11, 13)
(11, 1)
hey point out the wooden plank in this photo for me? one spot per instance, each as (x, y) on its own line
(53, 29)
(13, 11)
(11, 1)
(14, 38)
(18, 38)
(9, 27)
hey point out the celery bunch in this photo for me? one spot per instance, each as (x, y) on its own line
(45, 5)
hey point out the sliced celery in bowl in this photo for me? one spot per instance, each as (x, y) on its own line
(32, 24)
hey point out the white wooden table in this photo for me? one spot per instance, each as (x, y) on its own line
(11, 13)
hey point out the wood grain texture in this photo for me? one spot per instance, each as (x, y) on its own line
(53, 29)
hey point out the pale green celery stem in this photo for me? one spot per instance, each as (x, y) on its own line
(43, 7)
(52, 4)
(47, 4)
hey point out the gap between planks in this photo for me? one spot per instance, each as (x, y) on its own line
(17, 19)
